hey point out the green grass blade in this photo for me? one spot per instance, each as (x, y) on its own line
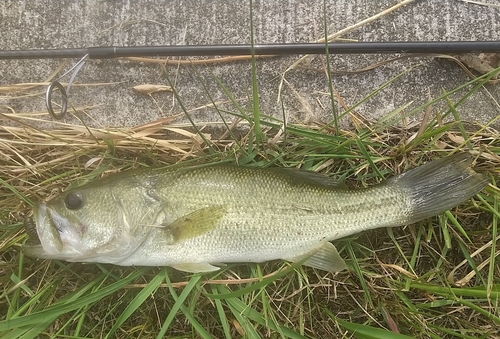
(138, 300)
(184, 109)
(477, 292)
(456, 333)
(357, 269)
(368, 158)
(16, 192)
(493, 252)
(255, 89)
(255, 286)
(179, 300)
(244, 309)
(460, 125)
(457, 225)
(222, 315)
(368, 332)
(329, 71)
(480, 310)
(56, 310)
(245, 324)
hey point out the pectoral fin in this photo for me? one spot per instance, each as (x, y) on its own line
(195, 223)
(195, 267)
(325, 258)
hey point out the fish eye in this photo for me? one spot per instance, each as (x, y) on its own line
(74, 200)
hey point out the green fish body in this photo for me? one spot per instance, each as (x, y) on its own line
(196, 219)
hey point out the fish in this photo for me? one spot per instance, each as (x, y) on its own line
(199, 219)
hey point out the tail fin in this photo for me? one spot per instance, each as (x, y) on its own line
(440, 185)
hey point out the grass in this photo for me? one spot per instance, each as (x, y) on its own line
(435, 279)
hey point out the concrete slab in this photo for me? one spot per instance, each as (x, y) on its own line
(29, 24)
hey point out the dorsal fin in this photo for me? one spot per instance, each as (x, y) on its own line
(310, 178)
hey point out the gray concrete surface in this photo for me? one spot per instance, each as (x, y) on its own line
(27, 24)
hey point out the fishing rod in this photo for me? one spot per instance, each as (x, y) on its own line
(111, 52)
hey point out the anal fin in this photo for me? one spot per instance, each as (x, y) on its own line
(325, 257)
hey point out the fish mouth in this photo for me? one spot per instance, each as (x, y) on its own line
(33, 246)
(30, 228)
(43, 239)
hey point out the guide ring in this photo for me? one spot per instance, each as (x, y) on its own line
(64, 100)
(64, 92)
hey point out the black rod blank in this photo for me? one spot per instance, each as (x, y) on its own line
(109, 52)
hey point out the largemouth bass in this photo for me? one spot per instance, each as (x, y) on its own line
(195, 219)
